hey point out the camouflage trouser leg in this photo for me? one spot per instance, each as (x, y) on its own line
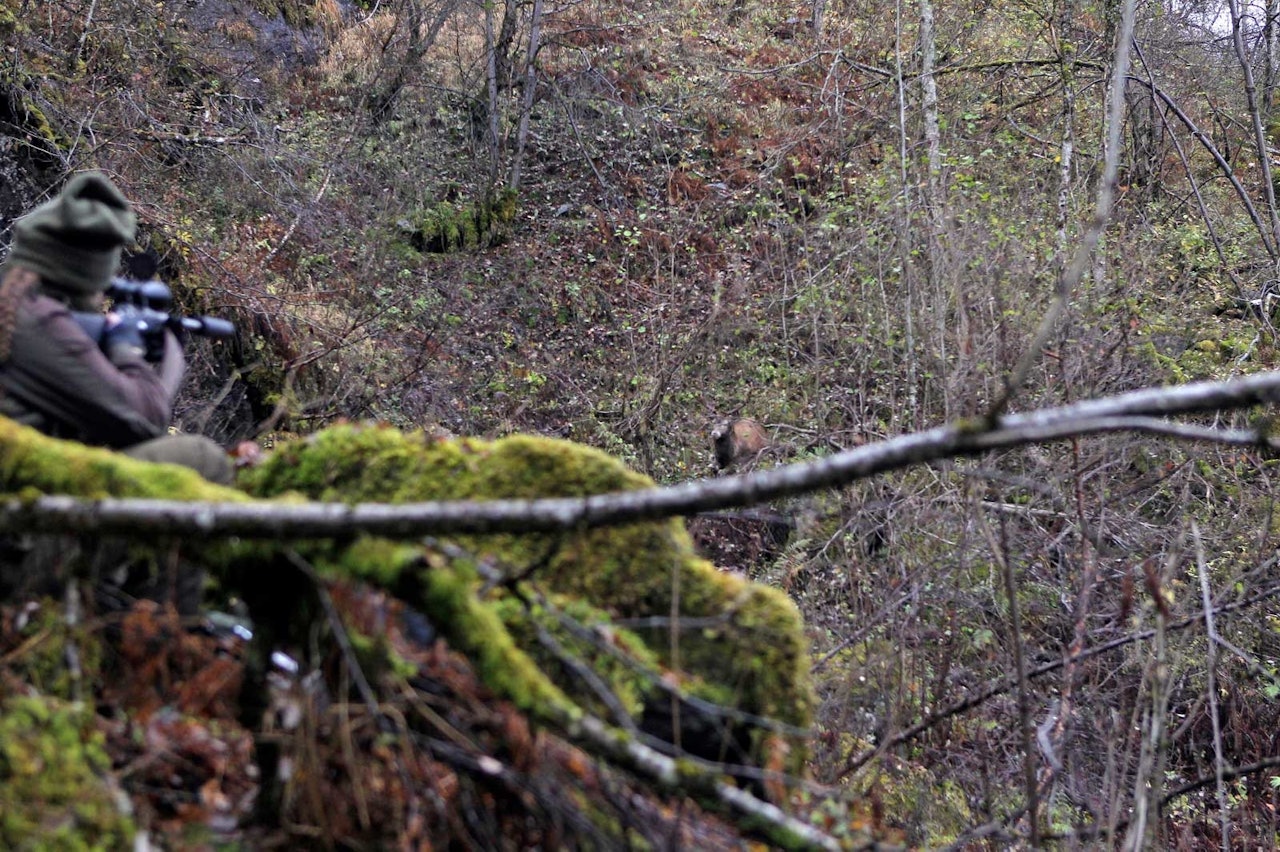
(194, 451)
(174, 579)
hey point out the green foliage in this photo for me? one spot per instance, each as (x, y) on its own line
(9, 22)
(43, 661)
(296, 13)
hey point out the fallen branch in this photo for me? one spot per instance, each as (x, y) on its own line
(782, 829)
(1137, 411)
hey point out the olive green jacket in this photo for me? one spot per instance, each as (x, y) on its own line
(58, 381)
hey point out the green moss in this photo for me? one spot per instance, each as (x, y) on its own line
(43, 659)
(53, 789)
(445, 227)
(449, 600)
(35, 130)
(8, 21)
(732, 641)
(296, 13)
(379, 561)
(31, 462)
(629, 671)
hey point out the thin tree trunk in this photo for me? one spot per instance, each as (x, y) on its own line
(1018, 651)
(1211, 690)
(526, 96)
(1066, 150)
(1087, 249)
(908, 276)
(1255, 116)
(935, 201)
(1270, 39)
(503, 60)
(491, 80)
(84, 34)
(1149, 779)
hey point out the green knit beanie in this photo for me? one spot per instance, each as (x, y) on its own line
(73, 241)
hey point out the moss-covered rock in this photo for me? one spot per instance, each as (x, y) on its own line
(32, 464)
(54, 791)
(744, 646)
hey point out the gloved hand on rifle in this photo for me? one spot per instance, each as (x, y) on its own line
(122, 336)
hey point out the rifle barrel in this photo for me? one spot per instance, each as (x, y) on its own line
(208, 326)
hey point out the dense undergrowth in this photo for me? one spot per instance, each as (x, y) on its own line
(722, 212)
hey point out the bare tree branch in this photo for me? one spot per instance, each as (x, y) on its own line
(1255, 116)
(1095, 831)
(666, 770)
(1224, 166)
(1137, 411)
(1211, 687)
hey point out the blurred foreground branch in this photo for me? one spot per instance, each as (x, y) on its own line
(1137, 411)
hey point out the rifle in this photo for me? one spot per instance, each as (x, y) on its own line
(146, 304)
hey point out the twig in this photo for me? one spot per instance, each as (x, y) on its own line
(1255, 118)
(1194, 184)
(1223, 165)
(586, 634)
(667, 771)
(339, 633)
(1211, 686)
(72, 648)
(1148, 776)
(1024, 693)
(1090, 832)
(856, 762)
(84, 32)
(293, 226)
(580, 669)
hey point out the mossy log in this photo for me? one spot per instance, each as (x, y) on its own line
(744, 648)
